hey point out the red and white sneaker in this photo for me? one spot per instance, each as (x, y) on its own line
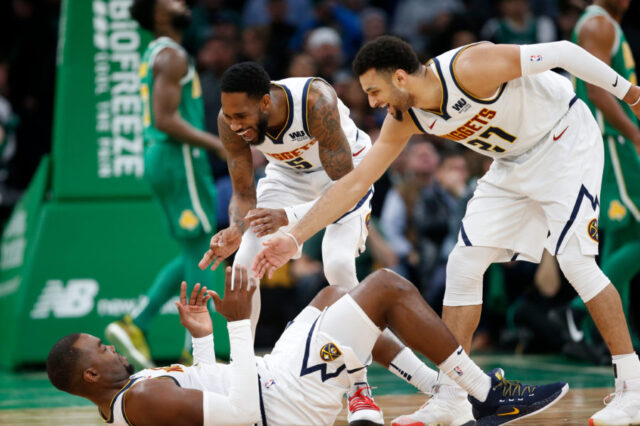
(363, 410)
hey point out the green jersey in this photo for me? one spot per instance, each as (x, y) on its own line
(621, 61)
(179, 174)
(620, 197)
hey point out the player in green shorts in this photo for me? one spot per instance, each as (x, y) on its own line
(598, 31)
(176, 166)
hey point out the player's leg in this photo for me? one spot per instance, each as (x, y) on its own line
(128, 333)
(604, 305)
(386, 299)
(341, 245)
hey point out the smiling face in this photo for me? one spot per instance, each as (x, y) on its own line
(246, 116)
(386, 90)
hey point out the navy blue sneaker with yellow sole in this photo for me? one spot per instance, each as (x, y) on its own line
(510, 400)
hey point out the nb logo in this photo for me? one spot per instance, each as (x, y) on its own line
(461, 105)
(297, 135)
(74, 300)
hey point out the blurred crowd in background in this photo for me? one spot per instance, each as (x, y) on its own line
(419, 202)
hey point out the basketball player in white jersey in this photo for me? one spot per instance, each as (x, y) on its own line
(306, 134)
(541, 192)
(304, 378)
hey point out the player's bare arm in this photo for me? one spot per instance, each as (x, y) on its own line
(596, 36)
(342, 196)
(169, 67)
(161, 401)
(243, 198)
(324, 125)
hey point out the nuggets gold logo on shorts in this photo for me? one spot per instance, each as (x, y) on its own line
(330, 352)
(592, 229)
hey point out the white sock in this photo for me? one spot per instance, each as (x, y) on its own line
(409, 368)
(462, 370)
(626, 366)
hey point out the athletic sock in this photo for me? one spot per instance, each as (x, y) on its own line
(165, 285)
(462, 370)
(411, 369)
(626, 366)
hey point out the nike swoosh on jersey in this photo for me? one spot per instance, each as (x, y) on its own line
(616, 83)
(555, 138)
(356, 154)
(510, 413)
(432, 124)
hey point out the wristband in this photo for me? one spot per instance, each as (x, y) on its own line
(290, 235)
(631, 105)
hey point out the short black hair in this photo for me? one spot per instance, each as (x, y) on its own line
(246, 77)
(386, 53)
(62, 361)
(143, 12)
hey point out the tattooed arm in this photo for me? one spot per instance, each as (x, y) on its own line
(324, 124)
(243, 198)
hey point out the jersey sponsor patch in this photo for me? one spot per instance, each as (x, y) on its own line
(617, 211)
(330, 352)
(188, 220)
(593, 230)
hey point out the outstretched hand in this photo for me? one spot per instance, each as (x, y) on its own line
(194, 315)
(222, 245)
(236, 304)
(277, 251)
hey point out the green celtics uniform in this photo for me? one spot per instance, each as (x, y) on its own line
(178, 173)
(620, 196)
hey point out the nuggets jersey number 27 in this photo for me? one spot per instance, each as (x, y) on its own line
(516, 117)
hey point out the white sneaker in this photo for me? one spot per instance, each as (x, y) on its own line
(448, 406)
(622, 406)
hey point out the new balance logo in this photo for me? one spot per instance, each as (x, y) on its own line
(403, 373)
(461, 105)
(297, 135)
(76, 300)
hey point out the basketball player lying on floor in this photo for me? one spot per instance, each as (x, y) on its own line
(302, 381)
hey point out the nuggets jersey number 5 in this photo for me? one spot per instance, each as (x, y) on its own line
(294, 147)
(521, 112)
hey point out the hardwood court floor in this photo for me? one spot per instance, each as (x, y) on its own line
(574, 409)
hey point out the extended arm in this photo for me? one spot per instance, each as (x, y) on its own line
(481, 69)
(324, 125)
(161, 402)
(169, 67)
(597, 36)
(243, 198)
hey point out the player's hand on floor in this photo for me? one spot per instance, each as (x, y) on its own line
(277, 251)
(194, 315)
(266, 221)
(238, 291)
(221, 246)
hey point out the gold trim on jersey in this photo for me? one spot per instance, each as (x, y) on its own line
(452, 67)
(289, 112)
(443, 90)
(110, 419)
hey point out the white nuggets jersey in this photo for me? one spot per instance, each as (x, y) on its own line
(519, 115)
(210, 377)
(294, 148)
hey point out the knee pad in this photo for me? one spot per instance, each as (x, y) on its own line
(465, 270)
(581, 271)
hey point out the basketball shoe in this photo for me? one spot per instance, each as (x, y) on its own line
(447, 406)
(510, 400)
(129, 340)
(363, 410)
(622, 406)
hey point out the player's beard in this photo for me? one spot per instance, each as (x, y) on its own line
(130, 368)
(261, 130)
(182, 21)
(397, 114)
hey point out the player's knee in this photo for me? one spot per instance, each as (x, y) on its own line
(388, 284)
(583, 273)
(327, 296)
(465, 270)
